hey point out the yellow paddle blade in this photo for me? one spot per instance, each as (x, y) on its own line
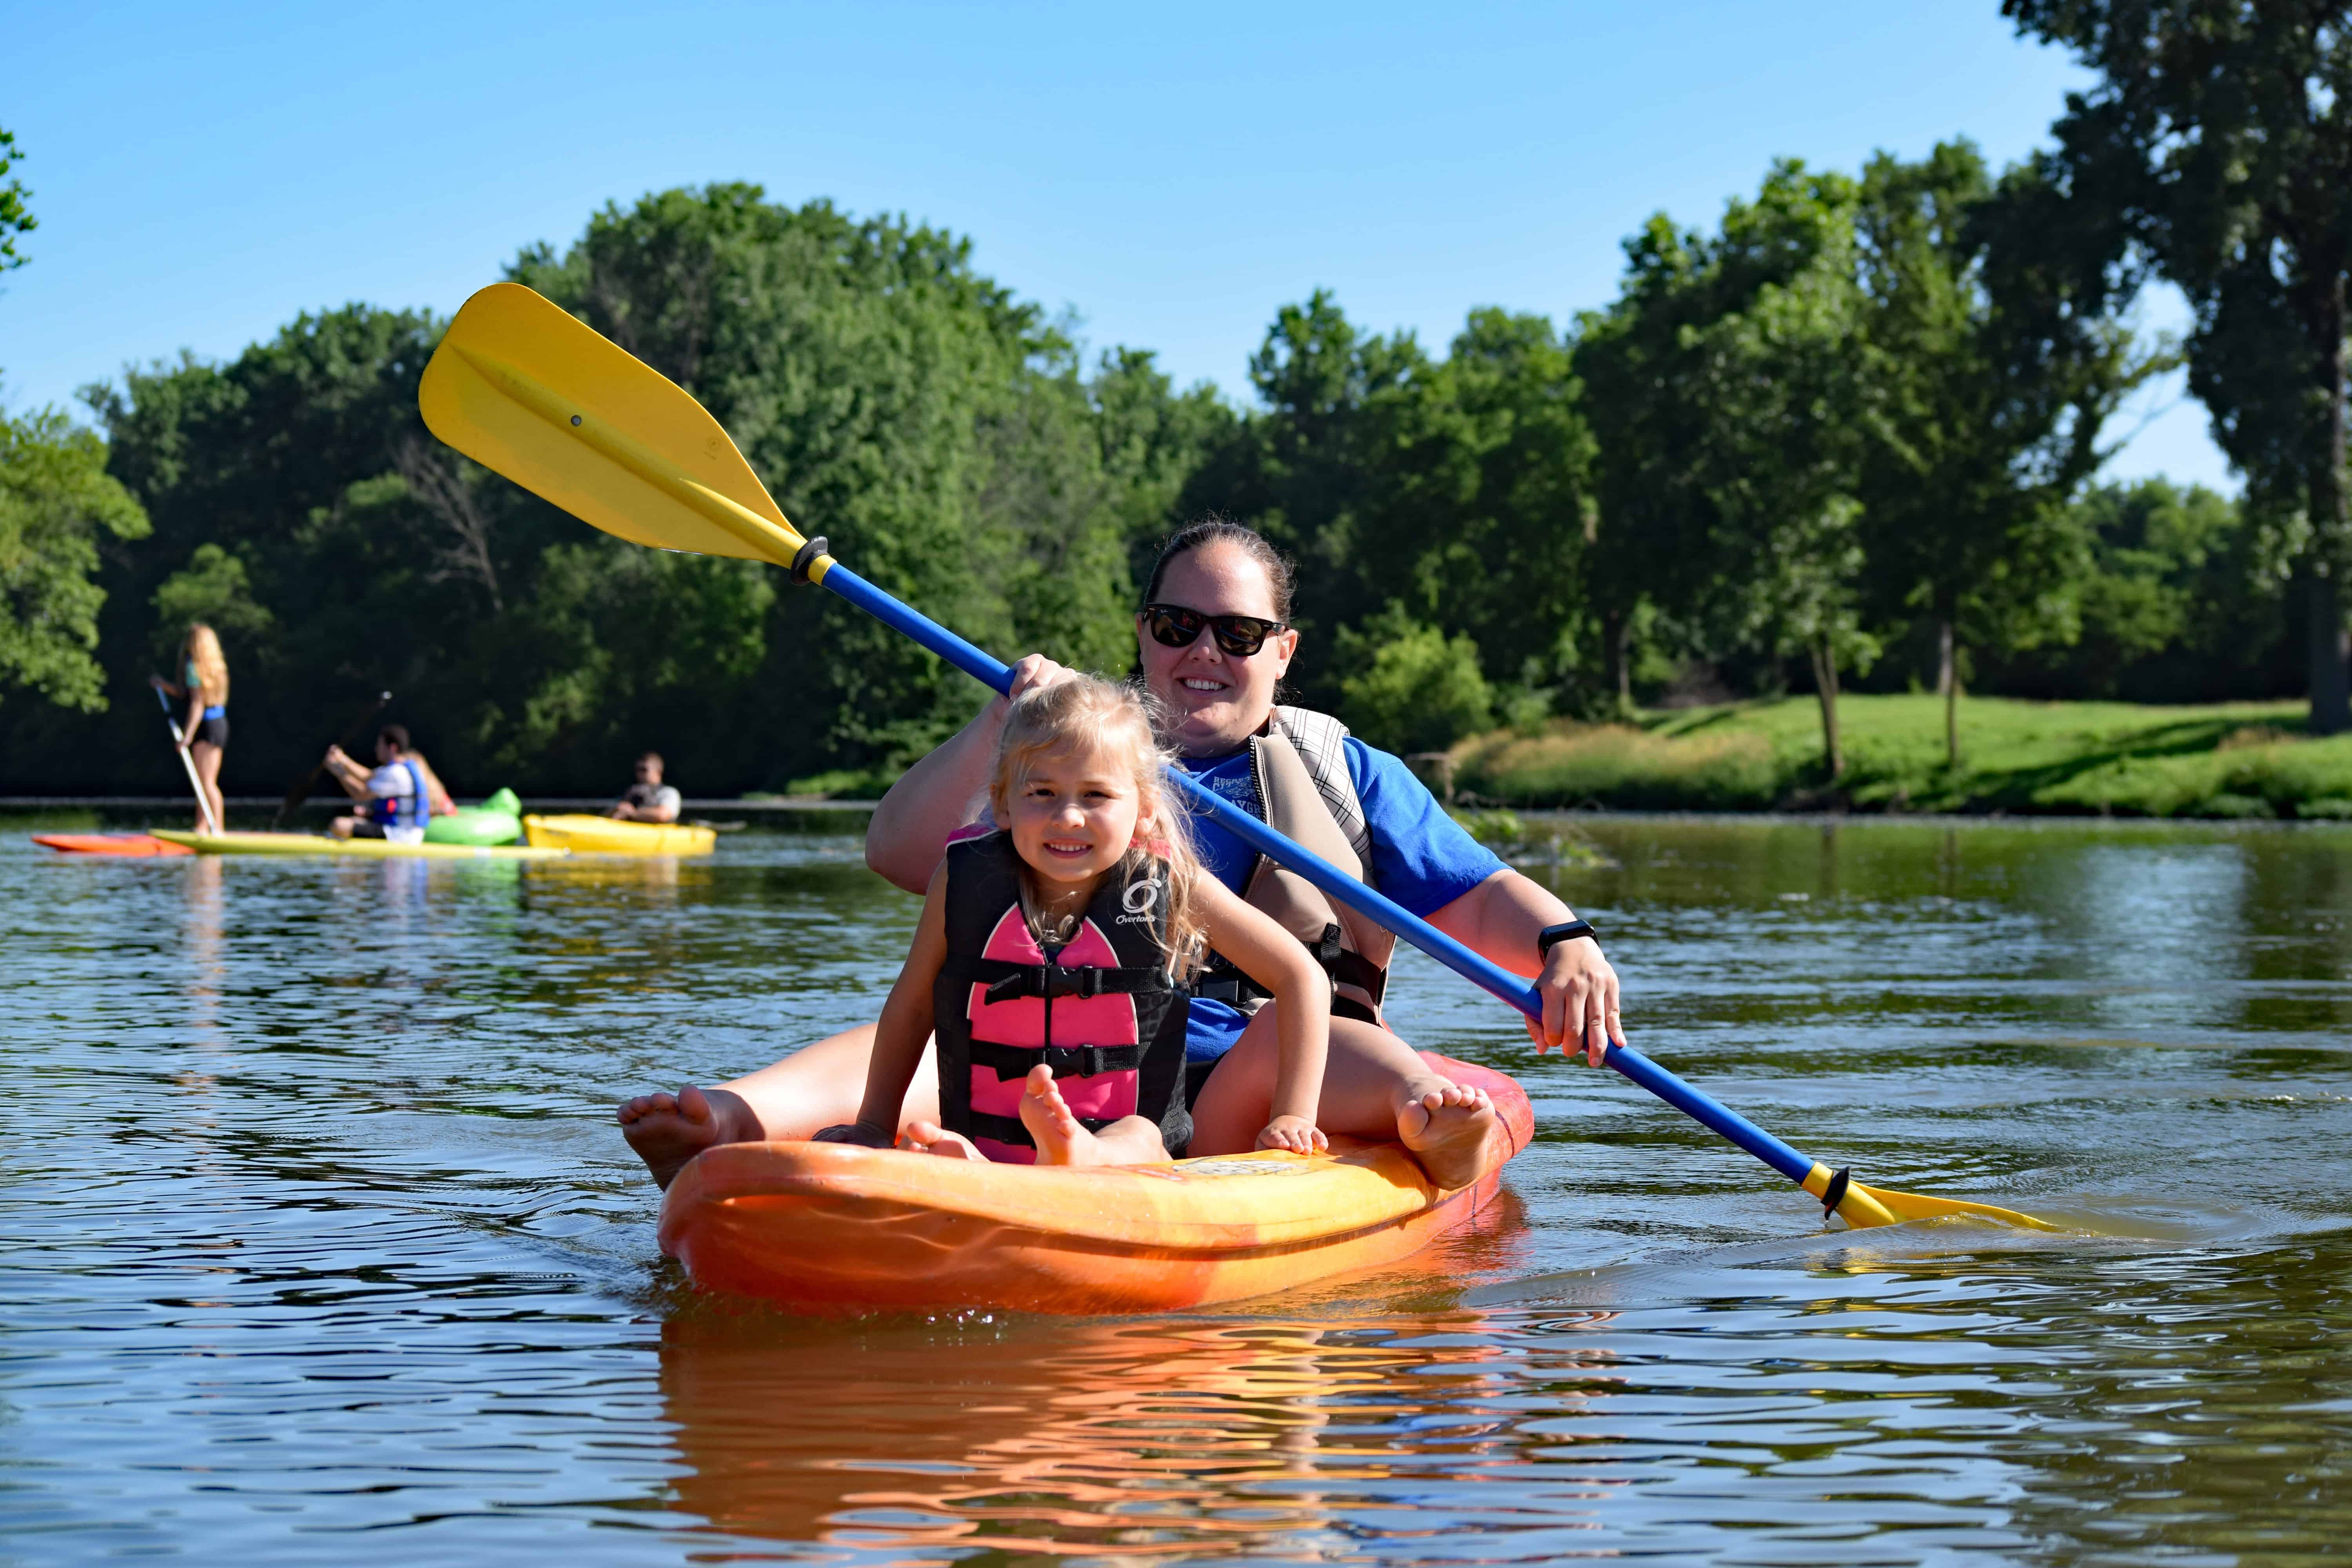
(525, 389)
(1913, 1206)
(1863, 1207)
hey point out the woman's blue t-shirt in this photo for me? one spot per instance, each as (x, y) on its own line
(1420, 856)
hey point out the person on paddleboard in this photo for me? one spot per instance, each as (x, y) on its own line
(648, 799)
(398, 793)
(203, 681)
(1213, 640)
(1052, 962)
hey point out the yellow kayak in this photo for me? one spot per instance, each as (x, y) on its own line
(356, 848)
(585, 834)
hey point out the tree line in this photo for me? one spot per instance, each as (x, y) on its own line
(1845, 437)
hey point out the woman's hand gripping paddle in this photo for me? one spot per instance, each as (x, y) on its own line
(521, 387)
(180, 748)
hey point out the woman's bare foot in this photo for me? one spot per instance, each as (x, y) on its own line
(1452, 1131)
(668, 1129)
(931, 1138)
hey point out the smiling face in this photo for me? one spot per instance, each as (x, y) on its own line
(1219, 701)
(1073, 816)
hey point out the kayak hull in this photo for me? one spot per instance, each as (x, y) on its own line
(110, 844)
(828, 1227)
(474, 825)
(312, 844)
(585, 835)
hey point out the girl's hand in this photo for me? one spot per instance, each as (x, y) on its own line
(1296, 1134)
(1580, 1001)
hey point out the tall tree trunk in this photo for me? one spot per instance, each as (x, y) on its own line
(1616, 632)
(2330, 652)
(1947, 683)
(1825, 682)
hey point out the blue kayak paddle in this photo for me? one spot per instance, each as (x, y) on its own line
(524, 388)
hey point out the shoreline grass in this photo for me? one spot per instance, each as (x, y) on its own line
(2219, 761)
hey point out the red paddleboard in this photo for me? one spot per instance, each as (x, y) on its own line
(110, 844)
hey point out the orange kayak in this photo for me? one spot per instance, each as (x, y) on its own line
(829, 1227)
(110, 844)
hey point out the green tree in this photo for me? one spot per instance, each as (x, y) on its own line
(1408, 687)
(1730, 387)
(1782, 393)
(2215, 150)
(16, 217)
(1996, 372)
(57, 503)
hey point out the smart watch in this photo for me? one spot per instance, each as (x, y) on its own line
(1552, 936)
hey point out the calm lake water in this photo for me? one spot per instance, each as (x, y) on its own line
(318, 1243)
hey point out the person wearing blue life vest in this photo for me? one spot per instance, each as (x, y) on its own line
(397, 795)
(1214, 639)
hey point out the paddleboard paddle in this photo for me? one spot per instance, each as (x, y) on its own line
(180, 750)
(524, 388)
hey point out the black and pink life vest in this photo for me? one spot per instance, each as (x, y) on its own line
(1100, 1010)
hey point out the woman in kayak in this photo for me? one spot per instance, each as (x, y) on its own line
(1213, 640)
(203, 681)
(1064, 937)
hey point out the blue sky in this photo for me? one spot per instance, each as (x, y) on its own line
(1172, 174)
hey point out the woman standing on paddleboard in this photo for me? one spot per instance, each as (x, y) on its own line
(203, 681)
(1213, 641)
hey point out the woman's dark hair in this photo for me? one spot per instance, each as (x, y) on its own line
(1204, 532)
(396, 734)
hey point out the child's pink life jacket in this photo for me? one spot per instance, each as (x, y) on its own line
(1101, 1010)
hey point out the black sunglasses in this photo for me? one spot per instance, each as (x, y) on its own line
(1173, 626)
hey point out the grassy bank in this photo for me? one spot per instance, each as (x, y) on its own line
(2230, 760)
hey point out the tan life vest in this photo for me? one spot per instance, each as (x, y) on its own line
(1310, 797)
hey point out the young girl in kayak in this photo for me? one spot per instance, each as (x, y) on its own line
(1053, 951)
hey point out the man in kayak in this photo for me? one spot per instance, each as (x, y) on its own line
(648, 799)
(1213, 641)
(398, 793)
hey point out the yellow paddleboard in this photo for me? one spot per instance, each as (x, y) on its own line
(356, 848)
(585, 834)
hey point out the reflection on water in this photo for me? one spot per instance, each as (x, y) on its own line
(323, 1247)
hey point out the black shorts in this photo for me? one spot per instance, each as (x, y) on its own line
(364, 828)
(211, 732)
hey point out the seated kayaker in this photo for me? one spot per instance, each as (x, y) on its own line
(397, 795)
(1053, 955)
(1213, 640)
(648, 799)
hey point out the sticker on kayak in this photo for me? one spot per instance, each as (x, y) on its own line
(1240, 1167)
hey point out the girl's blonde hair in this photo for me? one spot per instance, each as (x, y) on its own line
(203, 649)
(1086, 711)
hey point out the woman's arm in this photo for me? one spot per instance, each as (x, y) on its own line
(906, 1025)
(196, 715)
(1501, 918)
(1302, 1005)
(909, 831)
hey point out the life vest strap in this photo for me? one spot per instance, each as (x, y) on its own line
(1007, 981)
(1067, 1061)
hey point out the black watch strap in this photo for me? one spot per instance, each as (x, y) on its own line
(1552, 936)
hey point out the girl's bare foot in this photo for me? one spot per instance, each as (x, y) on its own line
(1452, 1131)
(1062, 1139)
(668, 1129)
(931, 1138)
